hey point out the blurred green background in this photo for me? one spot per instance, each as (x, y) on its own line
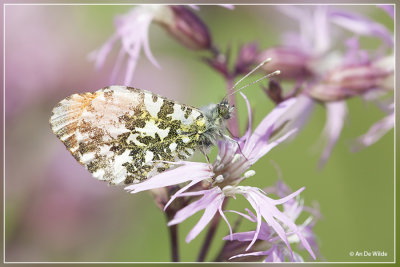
(55, 210)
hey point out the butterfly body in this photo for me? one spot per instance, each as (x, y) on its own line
(123, 134)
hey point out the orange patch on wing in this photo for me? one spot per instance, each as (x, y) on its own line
(65, 118)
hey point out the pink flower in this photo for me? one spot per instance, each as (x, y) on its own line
(279, 249)
(328, 76)
(211, 202)
(223, 176)
(132, 29)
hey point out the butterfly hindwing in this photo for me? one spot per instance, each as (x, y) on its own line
(123, 134)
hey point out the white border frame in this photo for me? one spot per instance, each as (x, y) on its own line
(239, 4)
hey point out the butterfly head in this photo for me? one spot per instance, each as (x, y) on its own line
(224, 110)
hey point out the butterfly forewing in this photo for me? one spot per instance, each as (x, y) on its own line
(123, 134)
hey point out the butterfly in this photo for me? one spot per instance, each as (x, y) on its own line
(126, 135)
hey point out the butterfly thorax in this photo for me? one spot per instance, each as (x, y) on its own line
(216, 115)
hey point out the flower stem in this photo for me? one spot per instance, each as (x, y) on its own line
(173, 233)
(209, 238)
(210, 234)
(220, 257)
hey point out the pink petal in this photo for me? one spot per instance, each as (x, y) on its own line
(243, 215)
(336, 113)
(262, 150)
(243, 236)
(297, 257)
(117, 66)
(258, 253)
(262, 132)
(188, 172)
(256, 207)
(196, 206)
(130, 67)
(322, 32)
(376, 131)
(100, 55)
(275, 255)
(146, 46)
(206, 218)
(248, 131)
(361, 25)
(306, 34)
(297, 115)
(269, 211)
(274, 115)
(287, 198)
(267, 215)
(180, 192)
(226, 220)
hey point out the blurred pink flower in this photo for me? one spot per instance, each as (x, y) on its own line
(328, 76)
(132, 29)
(388, 9)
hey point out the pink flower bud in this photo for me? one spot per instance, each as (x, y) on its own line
(246, 58)
(187, 28)
(274, 91)
(348, 81)
(292, 63)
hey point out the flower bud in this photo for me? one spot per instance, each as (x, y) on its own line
(160, 196)
(348, 81)
(219, 63)
(246, 58)
(292, 63)
(274, 91)
(186, 27)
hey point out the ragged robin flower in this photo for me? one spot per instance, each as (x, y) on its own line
(268, 244)
(329, 76)
(221, 179)
(132, 30)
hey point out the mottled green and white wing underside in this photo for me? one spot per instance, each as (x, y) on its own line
(123, 134)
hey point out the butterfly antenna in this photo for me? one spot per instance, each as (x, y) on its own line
(256, 81)
(251, 72)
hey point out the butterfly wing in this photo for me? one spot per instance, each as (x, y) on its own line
(123, 134)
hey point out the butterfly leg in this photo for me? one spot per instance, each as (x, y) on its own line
(205, 155)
